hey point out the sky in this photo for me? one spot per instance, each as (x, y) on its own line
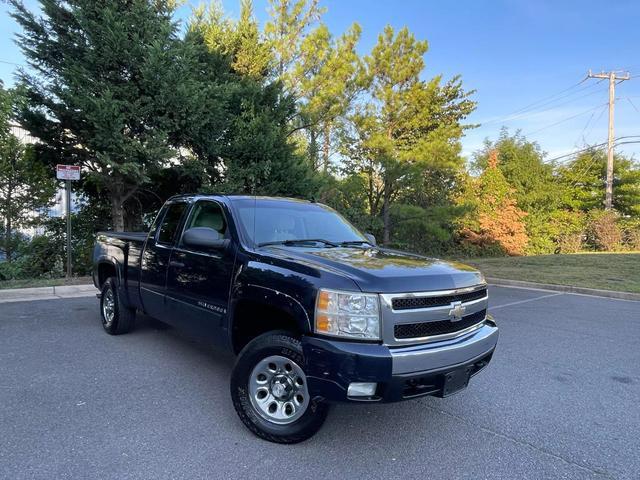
(514, 53)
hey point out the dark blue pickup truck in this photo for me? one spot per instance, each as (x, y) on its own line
(316, 312)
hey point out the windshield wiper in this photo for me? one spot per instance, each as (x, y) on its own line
(355, 242)
(299, 242)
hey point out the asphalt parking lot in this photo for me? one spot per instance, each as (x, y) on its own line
(561, 399)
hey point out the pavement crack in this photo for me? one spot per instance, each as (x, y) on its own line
(518, 441)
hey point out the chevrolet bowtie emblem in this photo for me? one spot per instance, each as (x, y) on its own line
(456, 312)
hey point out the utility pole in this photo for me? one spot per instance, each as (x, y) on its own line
(608, 201)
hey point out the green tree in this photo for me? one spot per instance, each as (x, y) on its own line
(402, 125)
(584, 178)
(523, 166)
(536, 187)
(105, 94)
(252, 152)
(425, 215)
(320, 72)
(26, 186)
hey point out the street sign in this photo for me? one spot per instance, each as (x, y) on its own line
(67, 172)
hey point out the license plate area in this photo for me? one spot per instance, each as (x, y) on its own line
(456, 380)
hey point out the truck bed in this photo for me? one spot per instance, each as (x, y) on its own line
(127, 236)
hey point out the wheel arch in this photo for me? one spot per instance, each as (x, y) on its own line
(257, 310)
(105, 269)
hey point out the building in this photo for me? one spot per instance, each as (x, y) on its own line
(59, 207)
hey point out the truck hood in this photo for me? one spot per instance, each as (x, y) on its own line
(387, 271)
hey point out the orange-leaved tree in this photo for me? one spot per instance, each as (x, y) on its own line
(494, 219)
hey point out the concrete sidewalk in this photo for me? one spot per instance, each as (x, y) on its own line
(46, 293)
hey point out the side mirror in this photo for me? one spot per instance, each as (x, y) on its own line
(204, 238)
(370, 238)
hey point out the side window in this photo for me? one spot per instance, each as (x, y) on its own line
(170, 223)
(208, 214)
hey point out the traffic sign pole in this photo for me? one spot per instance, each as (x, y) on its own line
(68, 173)
(67, 185)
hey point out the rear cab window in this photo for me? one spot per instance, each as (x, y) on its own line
(170, 223)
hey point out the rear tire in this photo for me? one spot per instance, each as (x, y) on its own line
(116, 318)
(269, 391)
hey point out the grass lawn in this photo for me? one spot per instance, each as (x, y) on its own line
(608, 271)
(44, 282)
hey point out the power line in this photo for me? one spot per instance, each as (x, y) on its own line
(538, 103)
(594, 159)
(594, 124)
(536, 112)
(633, 105)
(584, 129)
(591, 147)
(12, 63)
(563, 120)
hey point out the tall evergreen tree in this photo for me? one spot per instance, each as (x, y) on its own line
(103, 95)
(403, 124)
(252, 152)
(319, 71)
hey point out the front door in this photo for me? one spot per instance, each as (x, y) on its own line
(199, 279)
(155, 260)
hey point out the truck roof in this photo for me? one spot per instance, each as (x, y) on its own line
(235, 197)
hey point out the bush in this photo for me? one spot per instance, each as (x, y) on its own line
(603, 232)
(42, 257)
(426, 231)
(630, 234)
(567, 229)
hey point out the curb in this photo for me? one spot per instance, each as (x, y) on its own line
(46, 293)
(594, 292)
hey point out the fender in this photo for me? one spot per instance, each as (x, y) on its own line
(273, 298)
(114, 262)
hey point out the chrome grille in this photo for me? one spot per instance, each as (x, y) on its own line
(428, 329)
(425, 316)
(412, 303)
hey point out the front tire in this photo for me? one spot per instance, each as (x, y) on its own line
(116, 318)
(269, 390)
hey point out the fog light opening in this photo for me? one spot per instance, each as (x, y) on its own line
(361, 389)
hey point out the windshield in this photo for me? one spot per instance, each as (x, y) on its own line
(267, 221)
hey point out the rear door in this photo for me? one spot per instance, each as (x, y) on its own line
(199, 279)
(155, 259)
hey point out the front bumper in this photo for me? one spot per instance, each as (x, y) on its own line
(401, 373)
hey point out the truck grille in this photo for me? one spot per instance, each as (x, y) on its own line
(413, 303)
(441, 327)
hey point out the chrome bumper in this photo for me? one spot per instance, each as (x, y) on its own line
(438, 355)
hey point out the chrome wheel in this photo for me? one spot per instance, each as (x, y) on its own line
(108, 307)
(278, 389)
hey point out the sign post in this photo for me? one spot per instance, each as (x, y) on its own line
(68, 173)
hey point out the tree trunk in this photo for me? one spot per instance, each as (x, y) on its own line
(8, 232)
(326, 146)
(313, 148)
(117, 213)
(386, 201)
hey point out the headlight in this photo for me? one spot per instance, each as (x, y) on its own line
(348, 314)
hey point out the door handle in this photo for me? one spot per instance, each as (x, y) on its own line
(176, 264)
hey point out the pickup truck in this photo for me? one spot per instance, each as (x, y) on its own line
(316, 312)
